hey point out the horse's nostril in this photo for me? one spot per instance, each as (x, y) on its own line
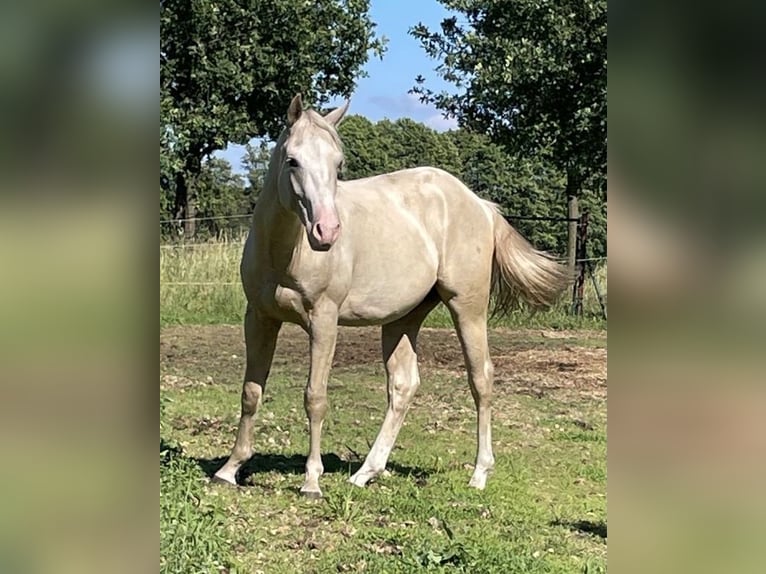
(319, 230)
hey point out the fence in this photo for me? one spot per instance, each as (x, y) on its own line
(584, 265)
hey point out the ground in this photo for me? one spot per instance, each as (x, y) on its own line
(544, 509)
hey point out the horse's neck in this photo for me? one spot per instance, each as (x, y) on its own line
(278, 231)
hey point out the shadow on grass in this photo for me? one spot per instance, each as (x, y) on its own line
(296, 464)
(584, 526)
(168, 452)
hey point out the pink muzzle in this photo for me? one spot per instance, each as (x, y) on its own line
(326, 228)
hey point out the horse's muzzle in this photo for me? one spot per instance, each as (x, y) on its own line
(324, 229)
(324, 234)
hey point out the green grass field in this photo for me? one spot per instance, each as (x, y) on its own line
(544, 509)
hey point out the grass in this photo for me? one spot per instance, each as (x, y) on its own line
(192, 525)
(199, 284)
(544, 509)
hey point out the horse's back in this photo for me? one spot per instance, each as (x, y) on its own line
(438, 203)
(429, 194)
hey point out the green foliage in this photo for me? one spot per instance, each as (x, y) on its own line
(221, 194)
(520, 186)
(228, 68)
(533, 74)
(256, 162)
(363, 149)
(385, 146)
(411, 144)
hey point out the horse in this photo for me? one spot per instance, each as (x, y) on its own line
(383, 250)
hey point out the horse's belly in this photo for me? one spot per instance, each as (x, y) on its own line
(377, 312)
(385, 301)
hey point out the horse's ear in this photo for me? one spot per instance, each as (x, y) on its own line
(295, 110)
(334, 117)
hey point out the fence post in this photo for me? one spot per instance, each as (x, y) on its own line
(579, 285)
(573, 214)
(597, 289)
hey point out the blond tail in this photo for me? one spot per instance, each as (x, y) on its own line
(521, 272)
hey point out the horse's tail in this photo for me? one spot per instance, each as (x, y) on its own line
(521, 272)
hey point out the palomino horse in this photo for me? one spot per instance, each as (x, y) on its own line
(383, 250)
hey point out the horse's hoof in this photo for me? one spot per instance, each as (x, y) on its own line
(357, 482)
(478, 481)
(219, 480)
(311, 494)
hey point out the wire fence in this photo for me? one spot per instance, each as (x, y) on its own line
(248, 215)
(583, 264)
(211, 218)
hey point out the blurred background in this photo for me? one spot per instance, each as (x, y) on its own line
(78, 123)
(686, 190)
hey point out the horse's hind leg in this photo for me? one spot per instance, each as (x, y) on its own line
(401, 360)
(260, 341)
(470, 317)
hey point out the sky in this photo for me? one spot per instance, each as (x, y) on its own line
(383, 94)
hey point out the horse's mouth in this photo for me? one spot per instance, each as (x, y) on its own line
(317, 245)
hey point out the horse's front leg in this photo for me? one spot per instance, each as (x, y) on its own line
(323, 331)
(260, 341)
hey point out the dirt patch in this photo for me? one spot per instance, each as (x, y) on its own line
(531, 362)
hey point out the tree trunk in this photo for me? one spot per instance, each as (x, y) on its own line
(190, 223)
(179, 204)
(186, 196)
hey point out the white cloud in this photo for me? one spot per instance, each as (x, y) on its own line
(440, 123)
(399, 106)
(409, 106)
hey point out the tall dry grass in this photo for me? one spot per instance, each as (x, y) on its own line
(199, 284)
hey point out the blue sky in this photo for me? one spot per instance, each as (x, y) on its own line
(383, 94)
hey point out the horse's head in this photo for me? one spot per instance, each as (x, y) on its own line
(311, 156)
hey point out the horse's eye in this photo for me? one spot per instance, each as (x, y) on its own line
(292, 162)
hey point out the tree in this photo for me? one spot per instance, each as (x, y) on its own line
(229, 67)
(363, 148)
(256, 162)
(520, 186)
(222, 198)
(412, 144)
(385, 146)
(532, 75)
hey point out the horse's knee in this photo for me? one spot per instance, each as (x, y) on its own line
(402, 390)
(252, 393)
(315, 402)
